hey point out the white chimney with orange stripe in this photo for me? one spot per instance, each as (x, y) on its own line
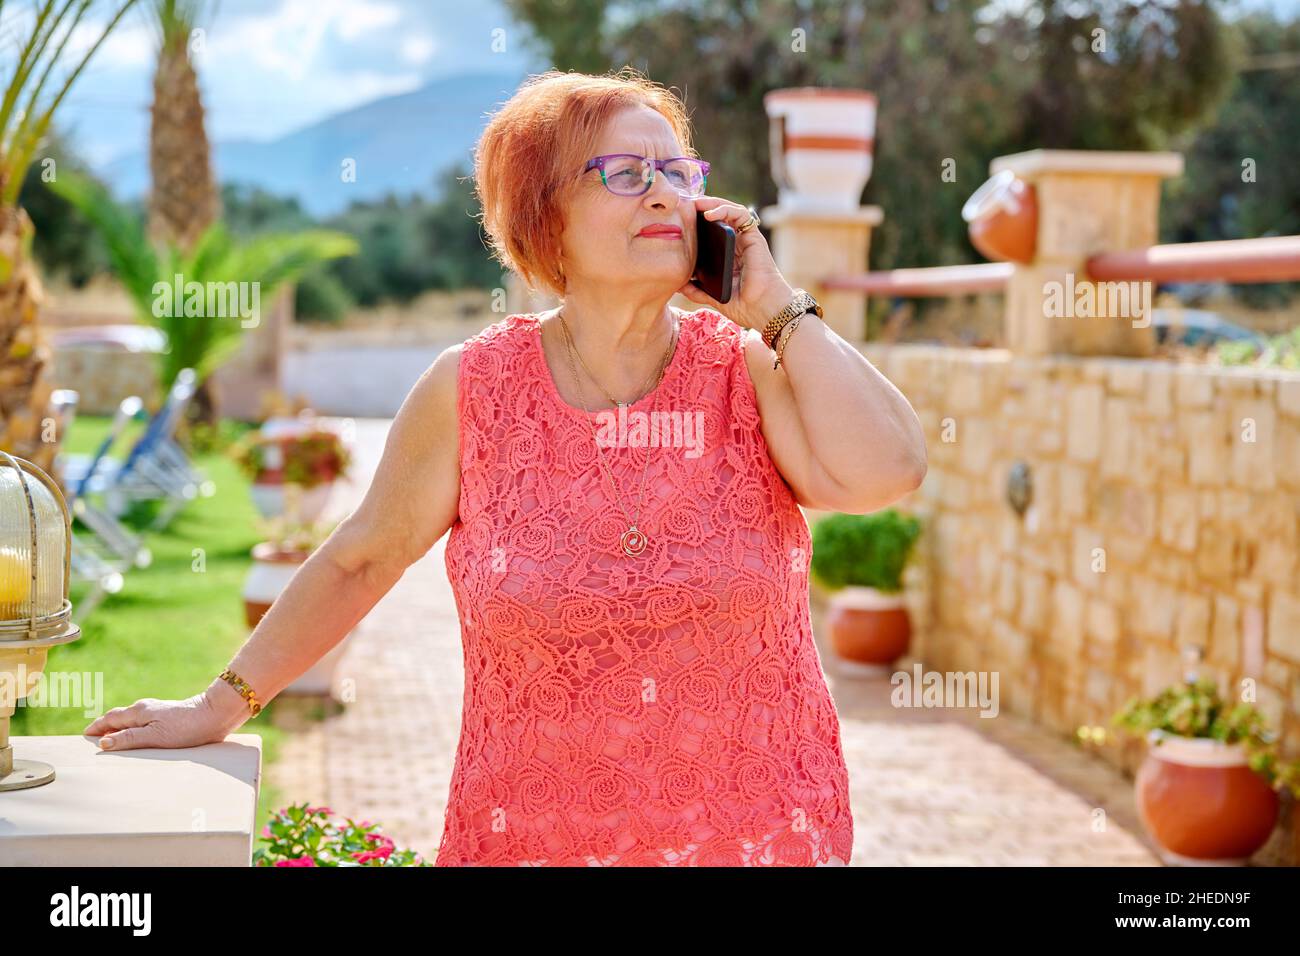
(822, 143)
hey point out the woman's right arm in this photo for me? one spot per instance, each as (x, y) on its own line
(410, 504)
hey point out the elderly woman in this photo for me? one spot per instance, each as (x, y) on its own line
(621, 480)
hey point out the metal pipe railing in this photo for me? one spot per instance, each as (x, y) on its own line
(1273, 259)
(938, 281)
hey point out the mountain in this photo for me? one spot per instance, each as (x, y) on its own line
(399, 143)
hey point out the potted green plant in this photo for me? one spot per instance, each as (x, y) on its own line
(860, 559)
(303, 835)
(293, 472)
(1207, 789)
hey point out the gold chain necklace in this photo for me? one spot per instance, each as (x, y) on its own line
(645, 389)
(633, 540)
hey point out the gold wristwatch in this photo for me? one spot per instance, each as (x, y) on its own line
(802, 303)
(246, 692)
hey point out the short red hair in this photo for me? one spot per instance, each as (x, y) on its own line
(532, 152)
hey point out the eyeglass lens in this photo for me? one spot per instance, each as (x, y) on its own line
(630, 175)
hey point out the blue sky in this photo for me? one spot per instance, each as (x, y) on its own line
(271, 66)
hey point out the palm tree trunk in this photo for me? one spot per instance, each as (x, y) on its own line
(204, 408)
(185, 200)
(24, 355)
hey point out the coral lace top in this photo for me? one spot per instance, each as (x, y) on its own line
(663, 709)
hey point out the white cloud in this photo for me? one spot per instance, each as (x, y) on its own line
(418, 48)
(288, 39)
(131, 44)
(271, 66)
(362, 17)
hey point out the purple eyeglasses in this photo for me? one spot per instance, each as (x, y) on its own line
(626, 174)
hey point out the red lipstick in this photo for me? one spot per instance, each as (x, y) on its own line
(661, 231)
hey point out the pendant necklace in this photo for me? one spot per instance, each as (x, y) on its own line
(633, 540)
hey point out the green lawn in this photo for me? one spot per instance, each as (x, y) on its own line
(176, 624)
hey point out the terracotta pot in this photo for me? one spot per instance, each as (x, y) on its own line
(869, 629)
(1201, 803)
(822, 142)
(271, 572)
(270, 500)
(1003, 218)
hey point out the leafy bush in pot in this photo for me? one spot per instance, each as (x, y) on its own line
(307, 459)
(1194, 708)
(864, 550)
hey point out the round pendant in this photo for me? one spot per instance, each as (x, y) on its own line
(633, 541)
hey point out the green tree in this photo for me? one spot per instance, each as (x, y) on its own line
(1242, 179)
(64, 242)
(957, 80)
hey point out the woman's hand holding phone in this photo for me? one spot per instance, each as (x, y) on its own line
(758, 290)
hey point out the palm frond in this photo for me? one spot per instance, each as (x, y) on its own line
(18, 144)
(176, 19)
(173, 289)
(133, 259)
(276, 258)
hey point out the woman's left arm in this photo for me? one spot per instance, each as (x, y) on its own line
(843, 437)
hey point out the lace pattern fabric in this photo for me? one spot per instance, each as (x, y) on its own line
(663, 709)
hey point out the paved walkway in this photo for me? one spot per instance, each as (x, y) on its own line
(927, 787)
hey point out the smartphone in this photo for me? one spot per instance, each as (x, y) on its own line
(715, 257)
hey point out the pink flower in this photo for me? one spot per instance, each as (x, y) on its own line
(300, 861)
(387, 841)
(266, 831)
(366, 856)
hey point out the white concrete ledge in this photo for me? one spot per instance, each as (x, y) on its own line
(1036, 162)
(148, 807)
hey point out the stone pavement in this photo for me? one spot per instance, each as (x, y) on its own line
(928, 788)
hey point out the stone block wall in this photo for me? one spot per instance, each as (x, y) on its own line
(1165, 514)
(104, 377)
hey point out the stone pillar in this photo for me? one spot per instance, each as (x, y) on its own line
(1088, 202)
(810, 245)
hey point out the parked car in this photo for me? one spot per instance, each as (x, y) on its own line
(1199, 327)
(121, 337)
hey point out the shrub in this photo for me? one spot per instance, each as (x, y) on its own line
(864, 550)
(307, 459)
(1278, 351)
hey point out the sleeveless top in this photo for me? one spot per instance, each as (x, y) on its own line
(663, 709)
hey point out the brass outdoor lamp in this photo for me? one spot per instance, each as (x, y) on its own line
(35, 613)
